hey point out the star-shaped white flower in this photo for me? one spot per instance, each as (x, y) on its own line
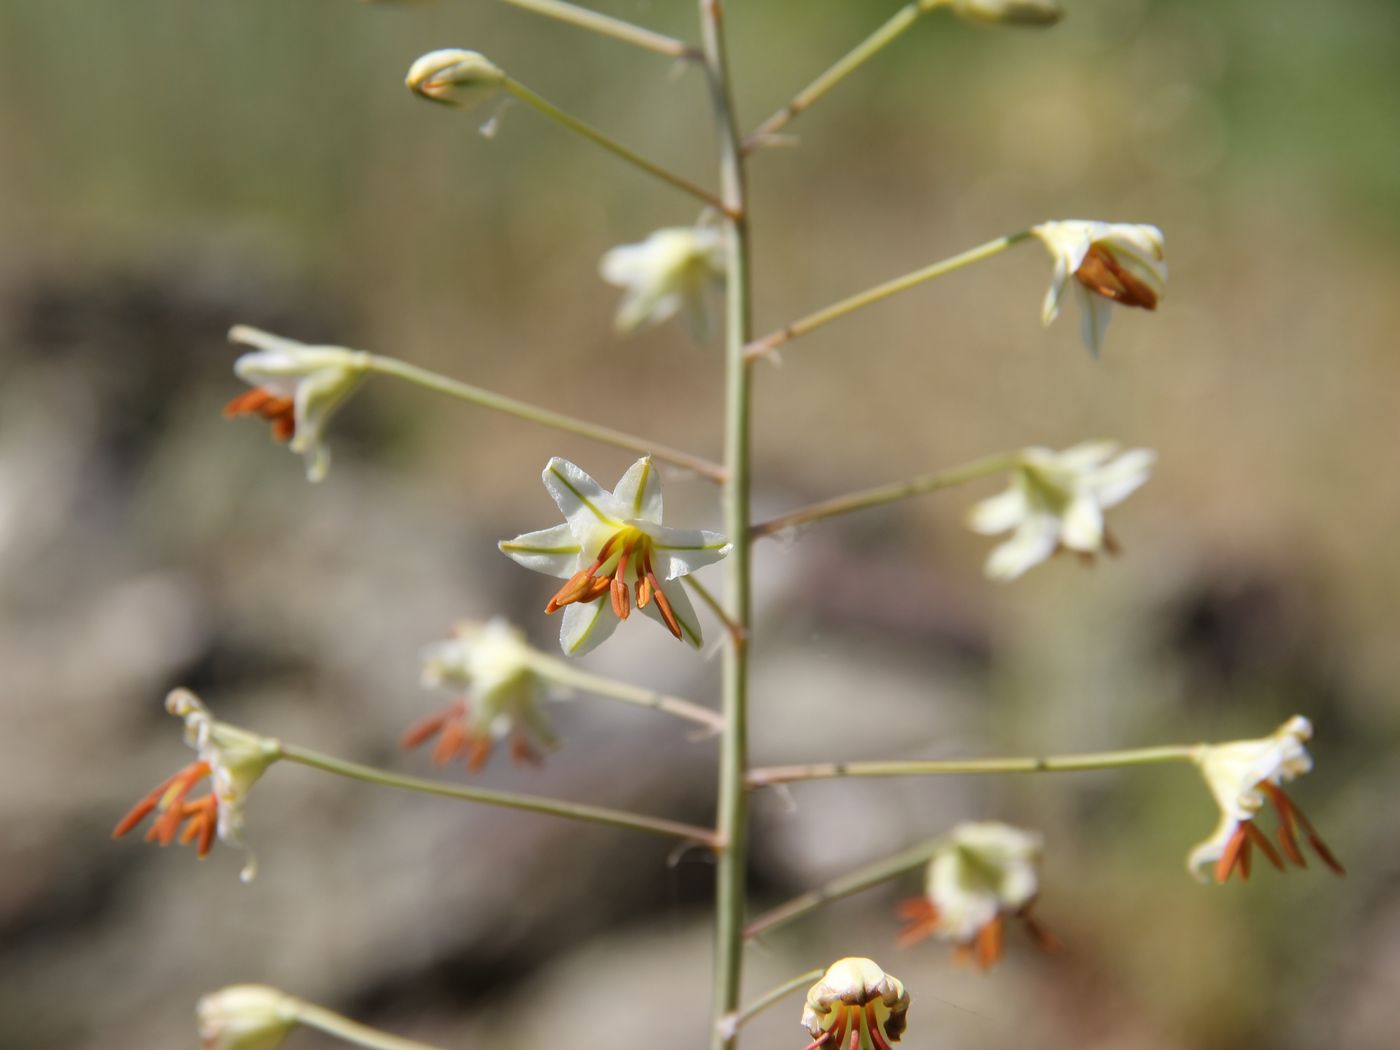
(232, 758)
(612, 548)
(672, 272)
(856, 1005)
(1241, 775)
(491, 667)
(1057, 499)
(297, 388)
(985, 871)
(1110, 262)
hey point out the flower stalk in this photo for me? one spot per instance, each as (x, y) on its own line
(1143, 756)
(312, 1016)
(766, 345)
(390, 366)
(506, 799)
(732, 1023)
(607, 25)
(566, 674)
(876, 497)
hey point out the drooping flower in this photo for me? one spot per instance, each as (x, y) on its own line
(855, 1006)
(1241, 775)
(983, 873)
(297, 388)
(1056, 500)
(612, 548)
(489, 664)
(672, 272)
(1123, 263)
(245, 1017)
(454, 77)
(232, 758)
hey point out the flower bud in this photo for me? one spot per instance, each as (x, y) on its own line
(857, 1004)
(1008, 12)
(454, 77)
(245, 1017)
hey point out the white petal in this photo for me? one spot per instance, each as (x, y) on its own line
(646, 305)
(1032, 543)
(581, 500)
(682, 551)
(639, 491)
(552, 551)
(1119, 479)
(698, 309)
(1001, 512)
(1205, 855)
(1082, 528)
(625, 265)
(1055, 294)
(586, 626)
(683, 610)
(1085, 456)
(1094, 318)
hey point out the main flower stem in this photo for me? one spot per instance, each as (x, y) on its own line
(844, 67)
(391, 366)
(887, 494)
(773, 340)
(509, 800)
(318, 1017)
(1142, 756)
(732, 827)
(606, 25)
(614, 147)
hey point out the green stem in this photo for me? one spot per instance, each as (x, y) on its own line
(568, 675)
(731, 864)
(595, 136)
(854, 882)
(888, 493)
(606, 25)
(318, 1017)
(773, 340)
(715, 606)
(739, 1018)
(509, 800)
(848, 64)
(1142, 756)
(390, 366)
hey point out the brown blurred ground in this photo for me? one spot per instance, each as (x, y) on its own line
(168, 169)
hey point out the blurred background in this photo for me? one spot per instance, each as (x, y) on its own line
(168, 169)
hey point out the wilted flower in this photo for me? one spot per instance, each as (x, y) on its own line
(454, 77)
(1003, 12)
(984, 872)
(671, 272)
(1241, 775)
(245, 1017)
(613, 547)
(297, 388)
(855, 1004)
(1122, 263)
(1056, 500)
(490, 664)
(233, 758)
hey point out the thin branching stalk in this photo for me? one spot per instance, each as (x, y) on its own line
(876, 497)
(568, 675)
(738, 1019)
(390, 366)
(1144, 756)
(607, 25)
(318, 1017)
(506, 799)
(813, 321)
(715, 606)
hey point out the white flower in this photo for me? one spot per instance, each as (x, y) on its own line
(297, 388)
(1241, 775)
(454, 77)
(245, 1017)
(612, 547)
(1122, 263)
(232, 758)
(984, 871)
(491, 665)
(1056, 500)
(671, 272)
(855, 996)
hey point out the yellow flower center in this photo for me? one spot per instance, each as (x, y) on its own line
(622, 569)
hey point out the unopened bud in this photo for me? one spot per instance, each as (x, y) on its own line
(1004, 12)
(245, 1017)
(454, 77)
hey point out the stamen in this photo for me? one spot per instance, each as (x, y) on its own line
(922, 916)
(428, 727)
(856, 1041)
(450, 744)
(1261, 840)
(1231, 855)
(663, 606)
(1285, 804)
(478, 747)
(989, 941)
(1044, 939)
(873, 1026)
(1104, 275)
